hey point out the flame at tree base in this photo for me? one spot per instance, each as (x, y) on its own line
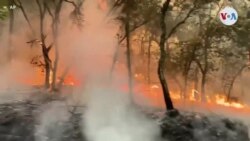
(222, 100)
(154, 95)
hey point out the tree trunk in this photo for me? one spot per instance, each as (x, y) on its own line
(203, 87)
(115, 58)
(162, 60)
(54, 77)
(45, 51)
(149, 60)
(196, 78)
(128, 55)
(47, 75)
(142, 52)
(11, 26)
(185, 86)
(179, 85)
(205, 70)
(232, 82)
(64, 74)
(55, 34)
(161, 75)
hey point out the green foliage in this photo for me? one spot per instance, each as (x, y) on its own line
(139, 12)
(3, 12)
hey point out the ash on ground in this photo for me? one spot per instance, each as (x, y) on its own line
(19, 122)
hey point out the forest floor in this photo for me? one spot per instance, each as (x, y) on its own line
(19, 122)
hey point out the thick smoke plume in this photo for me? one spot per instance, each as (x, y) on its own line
(110, 116)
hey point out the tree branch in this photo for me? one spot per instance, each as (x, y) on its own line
(133, 29)
(49, 11)
(72, 2)
(173, 30)
(19, 5)
(49, 47)
(200, 66)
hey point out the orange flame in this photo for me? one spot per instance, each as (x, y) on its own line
(222, 100)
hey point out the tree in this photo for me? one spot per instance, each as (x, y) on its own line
(76, 16)
(162, 60)
(163, 55)
(52, 9)
(142, 10)
(45, 49)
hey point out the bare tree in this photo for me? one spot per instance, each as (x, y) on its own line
(45, 49)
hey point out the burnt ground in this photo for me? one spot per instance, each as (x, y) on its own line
(18, 123)
(198, 127)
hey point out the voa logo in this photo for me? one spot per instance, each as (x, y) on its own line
(228, 16)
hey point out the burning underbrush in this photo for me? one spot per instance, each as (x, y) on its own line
(153, 94)
(109, 115)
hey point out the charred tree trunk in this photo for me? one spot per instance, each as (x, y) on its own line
(162, 60)
(203, 87)
(163, 54)
(45, 50)
(47, 67)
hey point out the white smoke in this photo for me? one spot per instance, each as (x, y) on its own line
(111, 116)
(51, 122)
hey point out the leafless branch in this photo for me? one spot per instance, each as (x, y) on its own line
(72, 2)
(49, 47)
(49, 11)
(19, 5)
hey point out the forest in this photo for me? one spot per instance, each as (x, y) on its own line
(91, 63)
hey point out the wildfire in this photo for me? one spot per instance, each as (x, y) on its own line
(154, 93)
(222, 100)
(194, 96)
(71, 80)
